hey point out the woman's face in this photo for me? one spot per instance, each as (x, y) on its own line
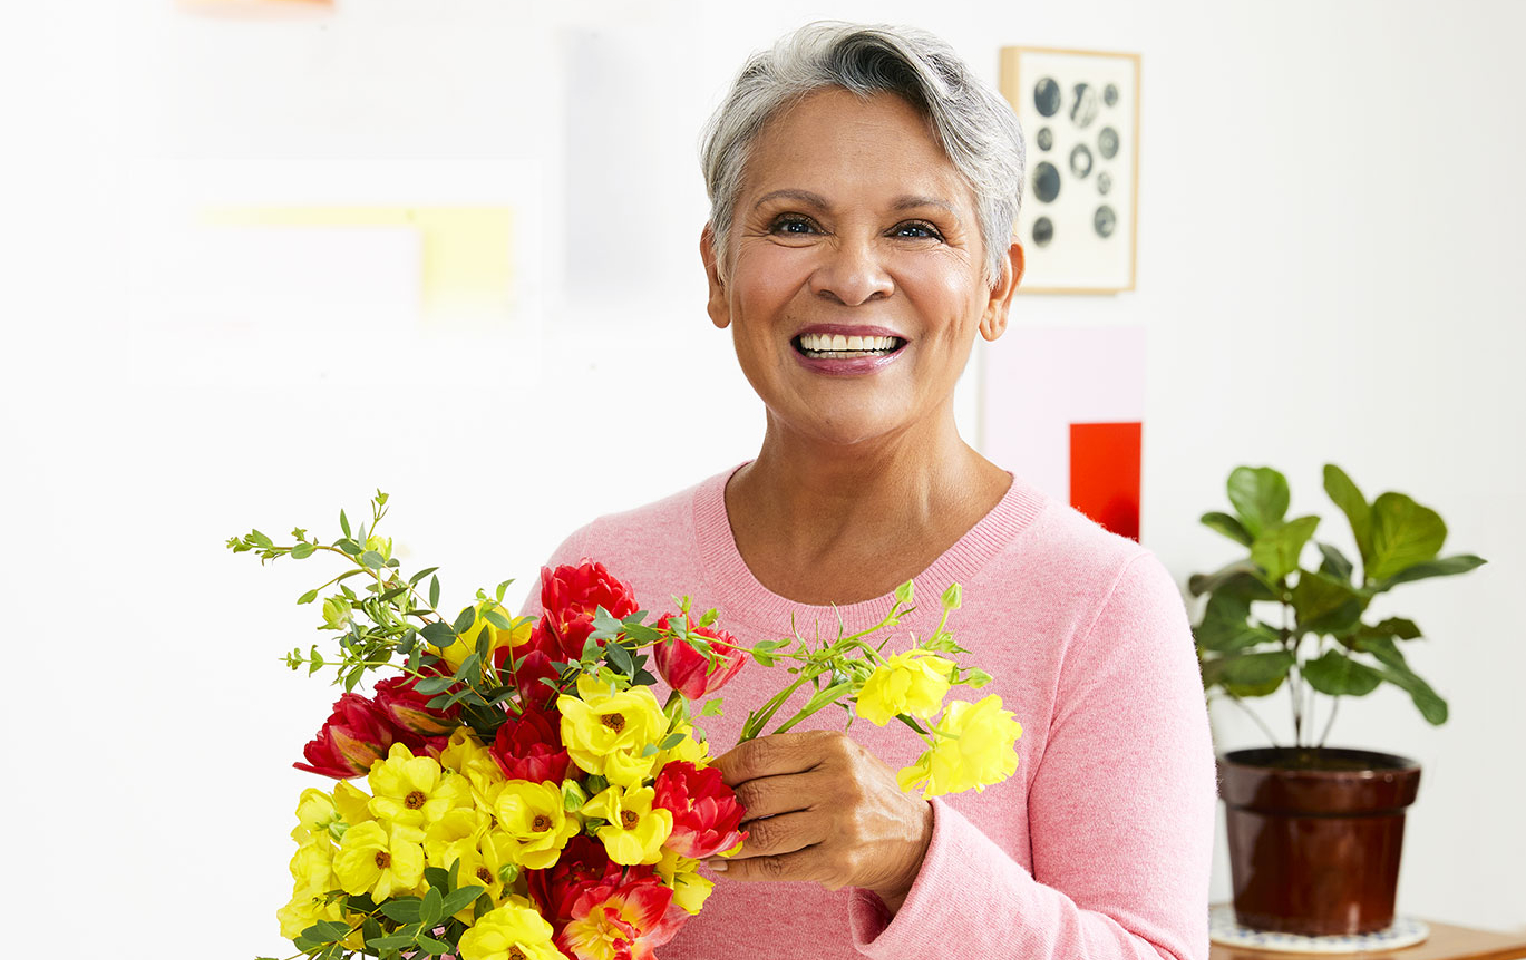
(855, 284)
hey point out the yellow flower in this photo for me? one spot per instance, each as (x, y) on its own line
(313, 863)
(689, 888)
(606, 732)
(375, 861)
(466, 644)
(352, 803)
(307, 907)
(414, 791)
(687, 750)
(316, 811)
(514, 931)
(635, 831)
(973, 749)
(912, 683)
(531, 814)
(467, 755)
(460, 824)
(481, 860)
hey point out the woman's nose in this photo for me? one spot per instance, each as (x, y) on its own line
(852, 273)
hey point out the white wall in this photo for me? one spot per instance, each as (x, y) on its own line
(1329, 213)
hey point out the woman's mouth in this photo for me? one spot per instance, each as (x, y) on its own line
(830, 346)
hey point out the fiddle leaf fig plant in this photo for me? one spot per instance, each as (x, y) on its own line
(1322, 644)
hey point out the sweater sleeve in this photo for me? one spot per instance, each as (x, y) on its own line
(1120, 806)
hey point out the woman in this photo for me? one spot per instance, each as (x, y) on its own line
(863, 189)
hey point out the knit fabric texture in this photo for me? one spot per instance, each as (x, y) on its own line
(1098, 847)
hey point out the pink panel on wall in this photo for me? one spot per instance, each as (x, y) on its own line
(1040, 383)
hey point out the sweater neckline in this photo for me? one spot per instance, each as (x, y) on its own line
(743, 597)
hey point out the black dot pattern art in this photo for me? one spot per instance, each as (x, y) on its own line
(1079, 110)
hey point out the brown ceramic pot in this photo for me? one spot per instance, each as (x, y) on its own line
(1314, 837)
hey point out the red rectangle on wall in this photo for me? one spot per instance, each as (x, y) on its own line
(1104, 474)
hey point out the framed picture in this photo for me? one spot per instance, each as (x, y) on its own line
(1079, 111)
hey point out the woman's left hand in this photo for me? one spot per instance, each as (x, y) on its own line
(822, 809)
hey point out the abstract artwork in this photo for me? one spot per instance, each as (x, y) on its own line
(1079, 111)
(1064, 408)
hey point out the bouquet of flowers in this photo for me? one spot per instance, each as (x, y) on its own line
(527, 796)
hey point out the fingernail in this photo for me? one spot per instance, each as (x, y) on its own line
(718, 865)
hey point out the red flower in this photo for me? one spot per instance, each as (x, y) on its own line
(583, 866)
(569, 597)
(529, 747)
(356, 735)
(687, 670)
(707, 817)
(622, 923)
(407, 708)
(537, 659)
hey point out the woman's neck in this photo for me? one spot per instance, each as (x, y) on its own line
(828, 523)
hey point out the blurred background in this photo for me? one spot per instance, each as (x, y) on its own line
(271, 255)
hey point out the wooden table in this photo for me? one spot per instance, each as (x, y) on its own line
(1446, 942)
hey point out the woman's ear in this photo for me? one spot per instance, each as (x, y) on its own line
(717, 306)
(994, 321)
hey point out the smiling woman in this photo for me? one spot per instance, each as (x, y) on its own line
(863, 188)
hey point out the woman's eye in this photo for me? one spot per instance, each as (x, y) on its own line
(916, 230)
(793, 225)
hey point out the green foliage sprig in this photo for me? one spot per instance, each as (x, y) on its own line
(1322, 644)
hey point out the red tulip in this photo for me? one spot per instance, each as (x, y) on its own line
(357, 734)
(570, 595)
(690, 672)
(707, 817)
(583, 865)
(409, 709)
(624, 922)
(537, 659)
(529, 747)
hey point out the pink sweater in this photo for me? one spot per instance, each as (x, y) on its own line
(1098, 847)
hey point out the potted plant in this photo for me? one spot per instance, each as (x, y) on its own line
(1315, 831)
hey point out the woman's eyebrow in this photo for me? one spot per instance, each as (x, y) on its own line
(804, 196)
(909, 203)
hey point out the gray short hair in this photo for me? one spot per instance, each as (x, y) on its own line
(975, 125)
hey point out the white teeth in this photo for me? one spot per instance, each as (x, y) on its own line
(823, 343)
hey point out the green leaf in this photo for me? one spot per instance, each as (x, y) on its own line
(1277, 548)
(1229, 526)
(414, 580)
(432, 908)
(350, 547)
(650, 750)
(326, 930)
(460, 898)
(433, 685)
(391, 942)
(1324, 604)
(1334, 563)
(1260, 496)
(434, 593)
(436, 947)
(1404, 534)
(619, 657)
(1225, 627)
(465, 620)
(1351, 502)
(712, 708)
(315, 661)
(302, 551)
(1394, 669)
(344, 523)
(373, 560)
(1242, 578)
(308, 597)
(438, 633)
(1443, 567)
(1248, 671)
(1336, 674)
(401, 909)
(497, 619)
